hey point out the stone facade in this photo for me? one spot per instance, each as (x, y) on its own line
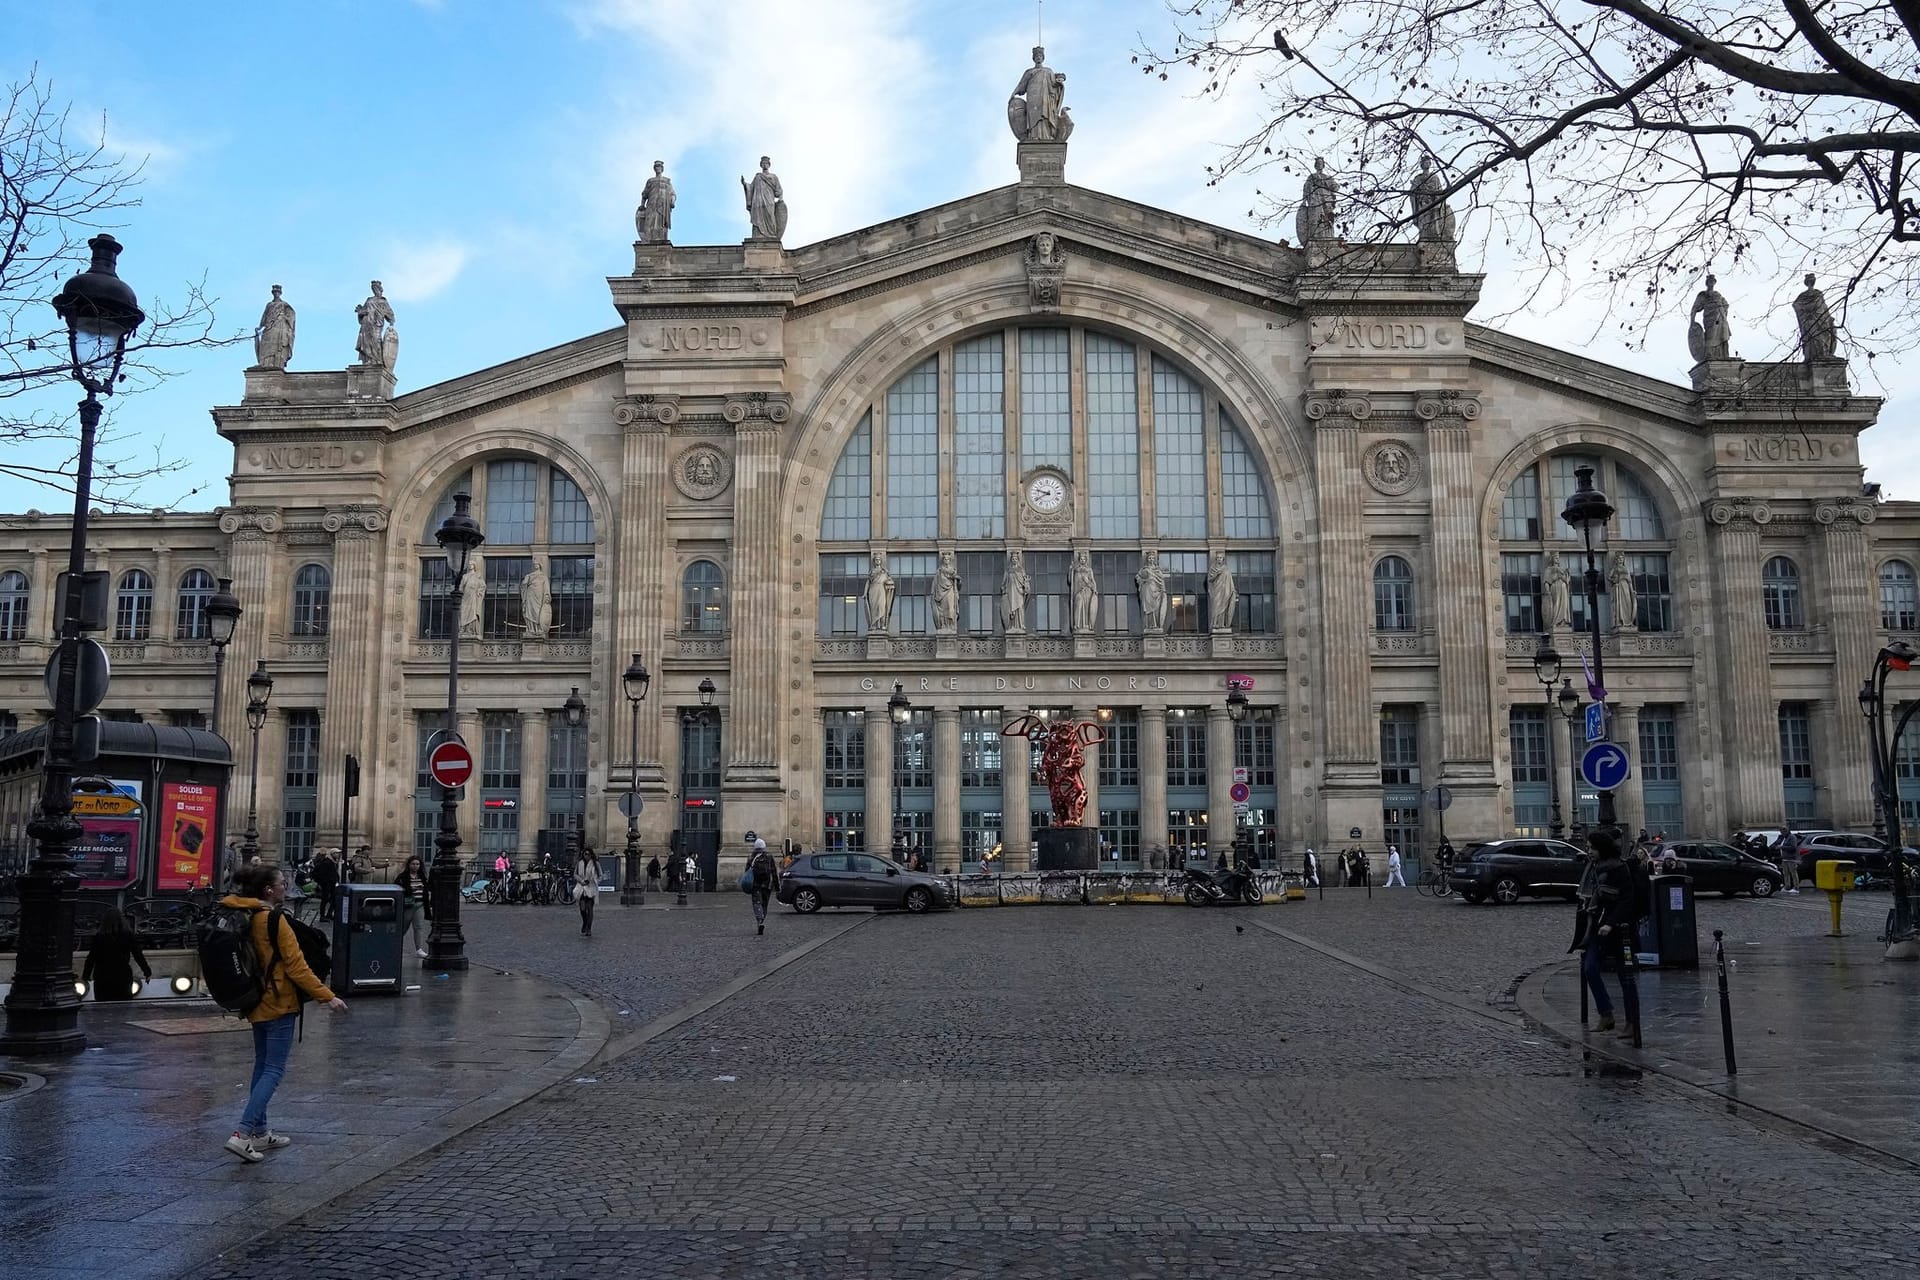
(712, 424)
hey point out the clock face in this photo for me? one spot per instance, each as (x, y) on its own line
(1047, 494)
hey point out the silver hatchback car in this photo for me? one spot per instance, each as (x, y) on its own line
(846, 879)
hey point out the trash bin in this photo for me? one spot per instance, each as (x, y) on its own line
(366, 940)
(1668, 936)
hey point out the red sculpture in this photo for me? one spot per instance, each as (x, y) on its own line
(1063, 754)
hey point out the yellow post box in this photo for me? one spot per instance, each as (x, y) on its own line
(1836, 877)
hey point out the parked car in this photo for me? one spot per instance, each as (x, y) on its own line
(1505, 870)
(843, 879)
(1820, 846)
(1721, 868)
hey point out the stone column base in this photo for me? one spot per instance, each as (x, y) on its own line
(1067, 849)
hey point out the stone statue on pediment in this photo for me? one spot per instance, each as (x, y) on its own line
(273, 340)
(1431, 216)
(1709, 334)
(880, 590)
(654, 218)
(1223, 596)
(376, 322)
(1314, 221)
(1559, 593)
(1818, 333)
(1152, 584)
(766, 204)
(1014, 587)
(473, 598)
(1046, 262)
(1626, 599)
(946, 595)
(536, 604)
(1036, 112)
(1086, 594)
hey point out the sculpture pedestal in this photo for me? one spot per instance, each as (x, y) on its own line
(1067, 849)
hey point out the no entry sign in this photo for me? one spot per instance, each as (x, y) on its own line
(451, 764)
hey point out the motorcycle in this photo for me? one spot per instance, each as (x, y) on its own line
(1225, 888)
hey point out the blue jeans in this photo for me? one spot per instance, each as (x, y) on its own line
(272, 1046)
(1610, 946)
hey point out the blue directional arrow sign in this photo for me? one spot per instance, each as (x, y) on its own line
(1604, 766)
(1596, 721)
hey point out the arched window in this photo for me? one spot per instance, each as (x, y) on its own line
(1780, 586)
(1392, 594)
(133, 606)
(703, 598)
(13, 605)
(190, 613)
(1531, 532)
(532, 514)
(1899, 601)
(312, 600)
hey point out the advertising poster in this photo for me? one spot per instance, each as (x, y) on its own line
(186, 830)
(106, 856)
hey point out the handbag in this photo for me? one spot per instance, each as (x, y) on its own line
(746, 880)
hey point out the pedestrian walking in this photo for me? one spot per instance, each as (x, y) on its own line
(586, 887)
(284, 979)
(114, 951)
(1611, 911)
(412, 884)
(653, 874)
(763, 877)
(326, 880)
(1313, 868)
(690, 874)
(1393, 868)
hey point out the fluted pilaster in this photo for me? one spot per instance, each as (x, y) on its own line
(755, 693)
(1351, 741)
(640, 600)
(1852, 587)
(1466, 723)
(1748, 710)
(353, 672)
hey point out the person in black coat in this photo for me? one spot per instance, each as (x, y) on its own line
(653, 873)
(326, 878)
(1609, 933)
(110, 960)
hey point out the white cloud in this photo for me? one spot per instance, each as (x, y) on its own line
(835, 94)
(415, 272)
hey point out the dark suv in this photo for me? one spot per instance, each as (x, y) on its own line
(1504, 870)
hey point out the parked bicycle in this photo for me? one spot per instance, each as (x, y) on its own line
(1436, 882)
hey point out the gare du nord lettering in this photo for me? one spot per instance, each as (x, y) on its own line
(1021, 684)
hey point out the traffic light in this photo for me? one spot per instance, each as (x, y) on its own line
(353, 776)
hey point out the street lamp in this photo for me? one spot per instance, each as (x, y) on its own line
(223, 618)
(1897, 656)
(633, 682)
(457, 535)
(259, 689)
(43, 1012)
(1237, 714)
(1546, 669)
(1570, 708)
(1588, 511)
(900, 711)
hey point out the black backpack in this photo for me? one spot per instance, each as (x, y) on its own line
(1639, 890)
(314, 949)
(229, 965)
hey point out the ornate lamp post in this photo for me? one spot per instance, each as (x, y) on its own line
(1546, 669)
(1237, 714)
(1588, 511)
(1570, 709)
(699, 715)
(633, 682)
(1898, 656)
(259, 689)
(457, 535)
(899, 711)
(43, 1011)
(223, 618)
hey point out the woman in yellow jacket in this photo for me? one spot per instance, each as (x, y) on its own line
(285, 977)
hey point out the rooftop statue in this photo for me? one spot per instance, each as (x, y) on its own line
(1314, 221)
(654, 218)
(273, 340)
(376, 321)
(1709, 336)
(1818, 334)
(766, 207)
(1036, 112)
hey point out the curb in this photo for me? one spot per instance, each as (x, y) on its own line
(1530, 998)
(303, 1198)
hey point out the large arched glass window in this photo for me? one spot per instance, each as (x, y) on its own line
(190, 612)
(1046, 438)
(703, 598)
(1899, 603)
(133, 606)
(1392, 594)
(14, 597)
(1780, 589)
(1531, 533)
(312, 600)
(533, 515)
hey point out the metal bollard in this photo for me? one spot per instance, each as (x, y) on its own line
(1726, 1006)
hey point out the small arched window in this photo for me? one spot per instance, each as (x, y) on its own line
(312, 600)
(190, 614)
(133, 606)
(703, 598)
(1899, 599)
(1392, 594)
(14, 595)
(1780, 586)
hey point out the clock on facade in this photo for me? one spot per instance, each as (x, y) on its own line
(1047, 493)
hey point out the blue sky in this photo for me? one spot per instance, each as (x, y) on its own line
(483, 158)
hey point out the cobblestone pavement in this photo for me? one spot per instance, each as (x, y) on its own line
(1111, 1092)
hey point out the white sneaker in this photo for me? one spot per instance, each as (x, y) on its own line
(271, 1141)
(422, 953)
(243, 1146)
(1793, 891)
